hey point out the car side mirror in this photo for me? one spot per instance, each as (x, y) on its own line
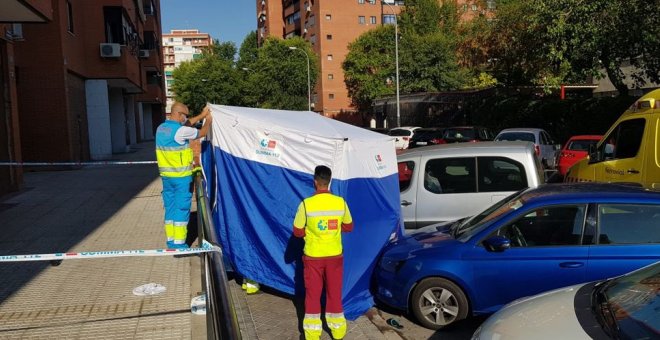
(594, 155)
(497, 244)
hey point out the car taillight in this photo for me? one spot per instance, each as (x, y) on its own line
(438, 141)
(537, 149)
(473, 140)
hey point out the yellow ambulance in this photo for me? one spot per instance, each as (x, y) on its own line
(630, 150)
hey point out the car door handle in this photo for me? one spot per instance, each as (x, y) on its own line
(405, 203)
(633, 171)
(571, 264)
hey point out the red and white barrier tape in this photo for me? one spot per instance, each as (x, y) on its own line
(77, 163)
(206, 247)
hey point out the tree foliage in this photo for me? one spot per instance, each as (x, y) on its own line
(548, 43)
(272, 76)
(427, 59)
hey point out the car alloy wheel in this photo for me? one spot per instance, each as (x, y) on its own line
(437, 303)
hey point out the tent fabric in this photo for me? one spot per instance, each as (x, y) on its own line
(260, 165)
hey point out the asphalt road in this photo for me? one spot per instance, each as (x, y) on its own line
(411, 330)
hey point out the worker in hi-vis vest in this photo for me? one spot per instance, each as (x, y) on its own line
(320, 220)
(175, 164)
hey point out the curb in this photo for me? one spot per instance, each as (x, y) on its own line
(389, 333)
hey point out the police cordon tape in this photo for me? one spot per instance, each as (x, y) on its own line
(206, 247)
(77, 163)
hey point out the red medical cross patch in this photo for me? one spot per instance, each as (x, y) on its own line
(271, 144)
(333, 224)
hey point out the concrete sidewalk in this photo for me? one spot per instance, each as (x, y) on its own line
(115, 208)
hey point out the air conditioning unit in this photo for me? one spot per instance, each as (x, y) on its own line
(110, 50)
(305, 31)
(309, 8)
(144, 54)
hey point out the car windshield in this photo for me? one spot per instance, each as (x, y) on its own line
(628, 305)
(514, 136)
(471, 226)
(581, 144)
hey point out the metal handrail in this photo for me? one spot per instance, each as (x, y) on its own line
(221, 320)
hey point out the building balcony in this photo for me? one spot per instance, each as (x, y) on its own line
(154, 94)
(26, 11)
(122, 70)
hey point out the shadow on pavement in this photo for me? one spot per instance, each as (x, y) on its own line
(56, 210)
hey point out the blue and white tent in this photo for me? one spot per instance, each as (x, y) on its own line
(261, 166)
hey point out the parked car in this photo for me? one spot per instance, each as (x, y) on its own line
(539, 239)
(402, 135)
(447, 182)
(624, 307)
(459, 134)
(574, 150)
(426, 137)
(545, 146)
(629, 152)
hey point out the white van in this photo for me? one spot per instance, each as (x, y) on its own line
(451, 181)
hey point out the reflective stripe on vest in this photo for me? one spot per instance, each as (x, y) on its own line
(174, 159)
(324, 214)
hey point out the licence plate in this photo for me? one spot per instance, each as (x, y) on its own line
(421, 143)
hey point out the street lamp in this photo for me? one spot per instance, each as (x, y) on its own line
(309, 89)
(396, 56)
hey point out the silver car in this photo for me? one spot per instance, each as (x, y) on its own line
(626, 307)
(544, 146)
(451, 181)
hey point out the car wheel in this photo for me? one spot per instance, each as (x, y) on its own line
(438, 303)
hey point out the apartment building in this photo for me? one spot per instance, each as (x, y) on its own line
(84, 83)
(330, 25)
(93, 75)
(13, 15)
(180, 46)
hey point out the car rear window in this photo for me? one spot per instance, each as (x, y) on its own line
(581, 144)
(454, 133)
(399, 132)
(514, 136)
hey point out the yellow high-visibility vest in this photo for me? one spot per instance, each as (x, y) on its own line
(174, 159)
(325, 214)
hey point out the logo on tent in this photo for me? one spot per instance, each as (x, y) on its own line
(379, 163)
(267, 143)
(267, 147)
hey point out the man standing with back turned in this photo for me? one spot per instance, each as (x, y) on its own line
(175, 158)
(320, 219)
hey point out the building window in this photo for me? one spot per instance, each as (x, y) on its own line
(69, 10)
(474, 8)
(361, 20)
(291, 19)
(331, 96)
(329, 56)
(329, 36)
(360, 1)
(389, 19)
(465, 7)
(312, 39)
(331, 76)
(328, 17)
(372, 20)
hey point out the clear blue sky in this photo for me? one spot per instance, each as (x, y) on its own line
(226, 20)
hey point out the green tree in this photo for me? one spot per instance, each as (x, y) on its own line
(225, 50)
(248, 52)
(368, 66)
(278, 78)
(210, 79)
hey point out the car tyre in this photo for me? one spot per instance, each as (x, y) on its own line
(438, 303)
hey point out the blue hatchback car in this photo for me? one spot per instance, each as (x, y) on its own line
(532, 241)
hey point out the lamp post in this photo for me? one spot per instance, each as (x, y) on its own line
(396, 58)
(309, 89)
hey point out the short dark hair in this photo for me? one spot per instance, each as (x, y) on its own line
(322, 174)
